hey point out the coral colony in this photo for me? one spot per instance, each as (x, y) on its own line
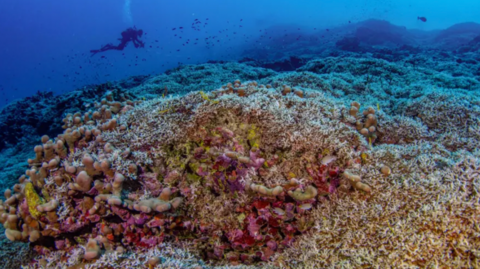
(245, 176)
(118, 179)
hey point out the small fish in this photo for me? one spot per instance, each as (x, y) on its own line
(305, 206)
(279, 211)
(422, 19)
(328, 159)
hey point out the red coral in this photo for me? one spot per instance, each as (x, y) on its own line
(253, 227)
(260, 204)
(266, 253)
(156, 222)
(244, 242)
(273, 222)
(288, 240)
(151, 241)
(131, 237)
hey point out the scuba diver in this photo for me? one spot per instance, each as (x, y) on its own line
(131, 34)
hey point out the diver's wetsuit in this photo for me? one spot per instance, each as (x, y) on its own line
(131, 34)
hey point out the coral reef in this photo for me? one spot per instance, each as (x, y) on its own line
(352, 163)
(230, 182)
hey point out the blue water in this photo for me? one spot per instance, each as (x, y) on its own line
(45, 44)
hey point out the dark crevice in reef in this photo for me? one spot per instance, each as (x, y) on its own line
(47, 241)
(132, 185)
(114, 219)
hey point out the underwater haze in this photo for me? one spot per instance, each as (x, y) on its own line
(46, 44)
(239, 134)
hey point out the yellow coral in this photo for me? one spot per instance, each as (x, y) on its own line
(241, 218)
(33, 200)
(364, 157)
(206, 98)
(253, 137)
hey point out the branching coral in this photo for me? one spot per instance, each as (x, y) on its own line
(160, 204)
(241, 172)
